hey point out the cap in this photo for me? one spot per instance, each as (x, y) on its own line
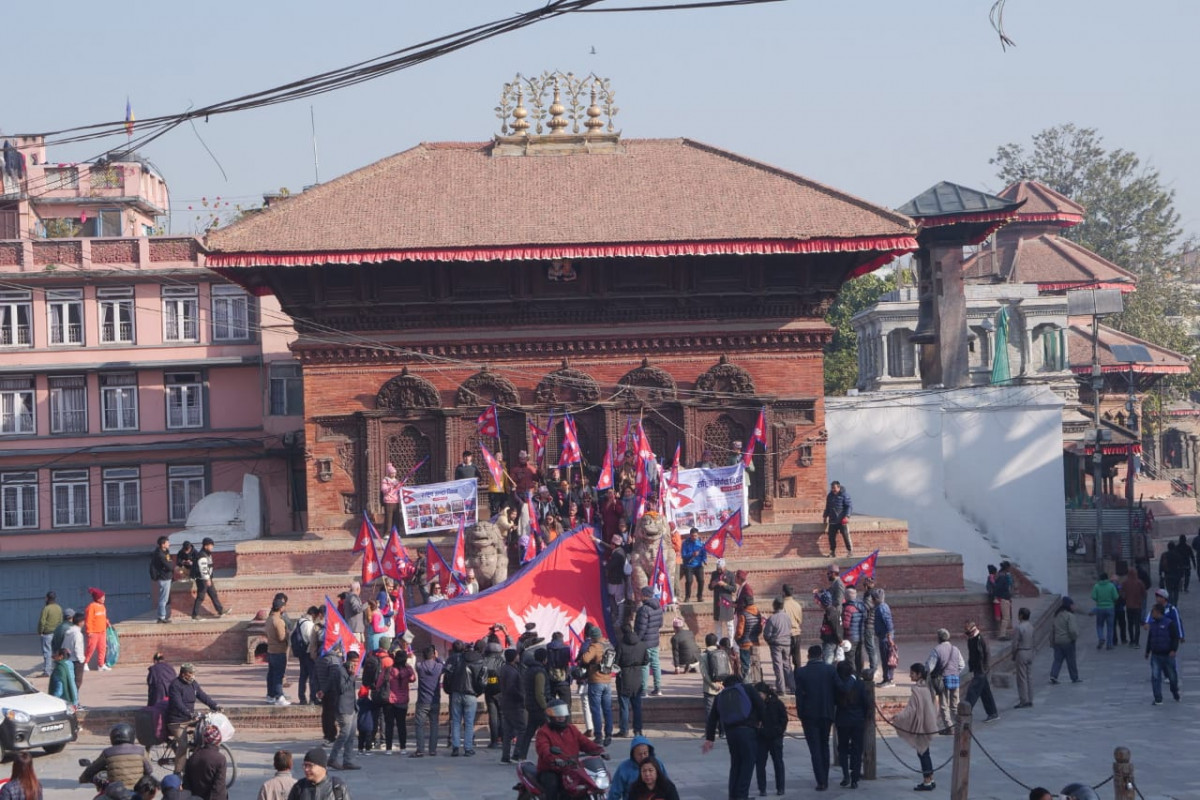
(316, 756)
(834, 568)
(212, 735)
(207, 541)
(647, 591)
(172, 781)
(741, 574)
(188, 667)
(1162, 593)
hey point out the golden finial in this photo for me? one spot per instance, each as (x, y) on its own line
(594, 123)
(520, 124)
(558, 122)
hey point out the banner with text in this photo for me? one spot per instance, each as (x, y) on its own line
(705, 498)
(439, 506)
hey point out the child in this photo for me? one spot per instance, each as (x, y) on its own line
(366, 720)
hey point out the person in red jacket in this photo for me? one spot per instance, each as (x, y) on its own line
(559, 733)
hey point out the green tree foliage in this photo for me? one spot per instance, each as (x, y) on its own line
(841, 354)
(1130, 220)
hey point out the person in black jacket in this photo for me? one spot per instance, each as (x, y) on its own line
(979, 662)
(158, 680)
(161, 572)
(770, 738)
(340, 690)
(512, 705)
(182, 695)
(204, 774)
(632, 655)
(648, 626)
(837, 514)
(740, 710)
(851, 718)
(462, 680)
(815, 686)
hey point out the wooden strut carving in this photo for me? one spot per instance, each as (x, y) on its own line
(406, 392)
(724, 379)
(566, 385)
(647, 384)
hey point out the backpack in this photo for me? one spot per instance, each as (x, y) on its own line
(733, 705)
(298, 641)
(558, 664)
(608, 660)
(479, 678)
(718, 664)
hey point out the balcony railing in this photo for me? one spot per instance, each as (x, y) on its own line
(120, 419)
(122, 332)
(72, 330)
(15, 335)
(74, 421)
(16, 423)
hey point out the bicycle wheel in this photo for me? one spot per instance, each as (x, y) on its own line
(162, 755)
(230, 767)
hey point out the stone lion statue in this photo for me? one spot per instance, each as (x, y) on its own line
(487, 554)
(651, 529)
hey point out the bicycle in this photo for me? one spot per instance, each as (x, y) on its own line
(162, 754)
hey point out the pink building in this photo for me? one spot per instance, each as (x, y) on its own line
(133, 382)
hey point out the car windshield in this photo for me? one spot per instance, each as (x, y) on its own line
(12, 684)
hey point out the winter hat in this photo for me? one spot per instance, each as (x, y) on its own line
(391, 470)
(1162, 593)
(647, 592)
(677, 623)
(741, 575)
(68, 613)
(212, 735)
(96, 594)
(316, 756)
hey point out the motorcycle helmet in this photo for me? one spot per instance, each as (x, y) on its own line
(121, 733)
(1079, 791)
(558, 715)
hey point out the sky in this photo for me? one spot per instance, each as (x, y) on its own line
(878, 98)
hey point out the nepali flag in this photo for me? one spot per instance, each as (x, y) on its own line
(395, 563)
(643, 478)
(371, 569)
(640, 510)
(643, 442)
(675, 462)
(366, 534)
(574, 641)
(605, 481)
(497, 471)
(460, 548)
(731, 528)
(628, 437)
(535, 527)
(660, 581)
(863, 569)
(436, 568)
(400, 620)
(539, 436)
(337, 631)
(759, 435)
(571, 453)
(488, 423)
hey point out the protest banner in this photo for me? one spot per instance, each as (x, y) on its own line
(705, 498)
(439, 506)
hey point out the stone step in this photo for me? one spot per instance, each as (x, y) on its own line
(809, 539)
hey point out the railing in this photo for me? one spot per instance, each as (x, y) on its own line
(72, 330)
(15, 335)
(16, 423)
(120, 419)
(74, 421)
(122, 332)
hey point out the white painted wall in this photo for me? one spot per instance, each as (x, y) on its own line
(977, 471)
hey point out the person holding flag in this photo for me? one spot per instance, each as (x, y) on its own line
(499, 481)
(389, 487)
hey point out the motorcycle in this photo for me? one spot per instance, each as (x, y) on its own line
(104, 789)
(585, 777)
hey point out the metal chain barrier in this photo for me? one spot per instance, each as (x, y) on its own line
(1024, 786)
(1104, 782)
(888, 744)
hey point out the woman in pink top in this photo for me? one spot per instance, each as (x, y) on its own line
(379, 626)
(390, 487)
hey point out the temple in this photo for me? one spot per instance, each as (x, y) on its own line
(560, 267)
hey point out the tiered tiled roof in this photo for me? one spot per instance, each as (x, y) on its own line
(1043, 204)
(660, 197)
(1079, 348)
(1052, 262)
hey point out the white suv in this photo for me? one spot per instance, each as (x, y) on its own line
(30, 719)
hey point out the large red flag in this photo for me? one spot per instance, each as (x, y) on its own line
(716, 542)
(395, 562)
(759, 435)
(660, 581)
(459, 563)
(371, 569)
(366, 533)
(538, 437)
(337, 631)
(863, 569)
(493, 465)
(488, 423)
(436, 569)
(605, 481)
(562, 588)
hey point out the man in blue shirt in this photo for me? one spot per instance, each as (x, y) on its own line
(694, 557)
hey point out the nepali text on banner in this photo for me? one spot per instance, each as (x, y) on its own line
(705, 498)
(439, 506)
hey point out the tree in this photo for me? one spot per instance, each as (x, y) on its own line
(1131, 218)
(841, 354)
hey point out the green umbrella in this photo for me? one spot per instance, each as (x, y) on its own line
(1000, 371)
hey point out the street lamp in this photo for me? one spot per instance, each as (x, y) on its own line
(1096, 303)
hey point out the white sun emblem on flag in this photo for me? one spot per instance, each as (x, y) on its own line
(548, 618)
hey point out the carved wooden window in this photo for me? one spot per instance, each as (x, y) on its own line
(591, 440)
(660, 440)
(719, 436)
(406, 449)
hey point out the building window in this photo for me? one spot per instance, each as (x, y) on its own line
(65, 308)
(69, 488)
(185, 487)
(901, 356)
(18, 500)
(287, 390)
(16, 405)
(105, 222)
(230, 314)
(122, 496)
(68, 405)
(116, 315)
(185, 405)
(118, 401)
(61, 178)
(181, 310)
(15, 315)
